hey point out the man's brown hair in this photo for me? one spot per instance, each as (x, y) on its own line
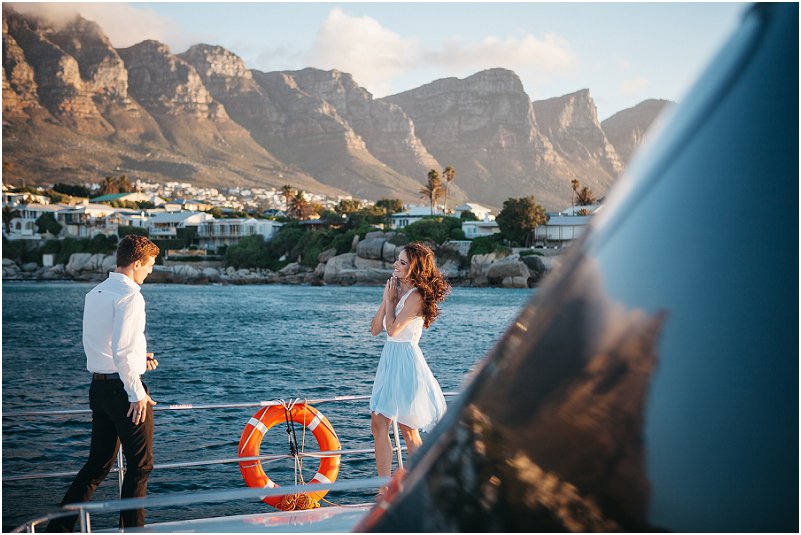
(132, 248)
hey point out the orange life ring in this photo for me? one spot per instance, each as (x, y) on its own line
(302, 414)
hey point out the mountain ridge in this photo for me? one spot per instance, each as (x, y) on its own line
(75, 109)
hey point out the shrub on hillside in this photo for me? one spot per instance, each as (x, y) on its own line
(437, 229)
(488, 244)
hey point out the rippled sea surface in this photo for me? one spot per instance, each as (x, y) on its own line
(215, 345)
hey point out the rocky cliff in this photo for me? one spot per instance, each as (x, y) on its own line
(627, 128)
(485, 126)
(79, 109)
(571, 123)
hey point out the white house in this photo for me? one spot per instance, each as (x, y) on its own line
(481, 212)
(412, 215)
(24, 226)
(477, 229)
(217, 232)
(165, 225)
(86, 220)
(561, 229)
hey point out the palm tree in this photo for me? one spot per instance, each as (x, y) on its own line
(576, 185)
(109, 186)
(433, 189)
(585, 197)
(299, 207)
(287, 193)
(450, 175)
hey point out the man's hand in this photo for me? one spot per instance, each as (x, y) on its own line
(138, 409)
(151, 362)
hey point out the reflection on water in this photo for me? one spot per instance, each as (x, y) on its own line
(215, 345)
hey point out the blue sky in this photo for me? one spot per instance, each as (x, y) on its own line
(623, 52)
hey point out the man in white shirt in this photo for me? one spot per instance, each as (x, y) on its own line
(116, 354)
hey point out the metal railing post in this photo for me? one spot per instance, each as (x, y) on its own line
(86, 524)
(397, 443)
(120, 469)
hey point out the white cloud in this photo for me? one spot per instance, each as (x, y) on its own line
(362, 47)
(377, 56)
(124, 24)
(551, 54)
(632, 86)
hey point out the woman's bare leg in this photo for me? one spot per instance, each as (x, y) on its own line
(383, 448)
(411, 437)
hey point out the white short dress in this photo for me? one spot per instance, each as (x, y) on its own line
(404, 387)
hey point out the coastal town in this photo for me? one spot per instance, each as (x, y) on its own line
(196, 225)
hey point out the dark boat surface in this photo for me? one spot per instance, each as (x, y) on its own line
(652, 384)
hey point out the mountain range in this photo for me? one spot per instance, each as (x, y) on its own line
(76, 109)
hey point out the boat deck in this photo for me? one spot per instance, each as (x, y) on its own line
(335, 519)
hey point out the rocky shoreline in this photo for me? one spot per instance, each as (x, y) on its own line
(371, 264)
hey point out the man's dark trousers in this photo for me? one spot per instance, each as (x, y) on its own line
(110, 428)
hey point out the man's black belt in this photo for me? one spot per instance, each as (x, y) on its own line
(105, 376)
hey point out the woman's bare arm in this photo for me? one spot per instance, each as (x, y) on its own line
(411, 309)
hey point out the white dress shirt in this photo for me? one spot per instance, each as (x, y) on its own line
(114, 332)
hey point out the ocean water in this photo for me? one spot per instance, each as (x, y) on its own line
(215, 345)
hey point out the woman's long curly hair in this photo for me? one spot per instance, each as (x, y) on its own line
(425, 276)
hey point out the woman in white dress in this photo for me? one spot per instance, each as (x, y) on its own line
(404, 387)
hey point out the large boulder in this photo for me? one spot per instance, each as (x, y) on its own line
(160, 274)
(508, 267)
(390, 251)
(514, 282)
(187, 274)
(211, 274)
(83, 263)
(349, 268)
(374, 234)
(327, 255)
(372, 247)
(78, 262)
(450, 270)
(109, 263)
(536, 268)
(479, 265)
(11, 270)
(293, 269)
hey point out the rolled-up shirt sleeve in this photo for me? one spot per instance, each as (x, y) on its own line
(128, 343)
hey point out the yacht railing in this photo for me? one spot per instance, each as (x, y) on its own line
(84, 509)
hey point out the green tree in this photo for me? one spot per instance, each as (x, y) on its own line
(449, 174)
(47, 223)
(299, 207)
(519, 218)
(433, 189)
(348, 206)
(468, 215)
(124, 230)
(113, 184)
(585, 197)
(575, 184)
(70, 189)
(249, 252)
(390, 206)
(436, 229)
(9, 214)
(287, 192)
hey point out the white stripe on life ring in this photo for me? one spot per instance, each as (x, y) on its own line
(321, 478)
(314, 423)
